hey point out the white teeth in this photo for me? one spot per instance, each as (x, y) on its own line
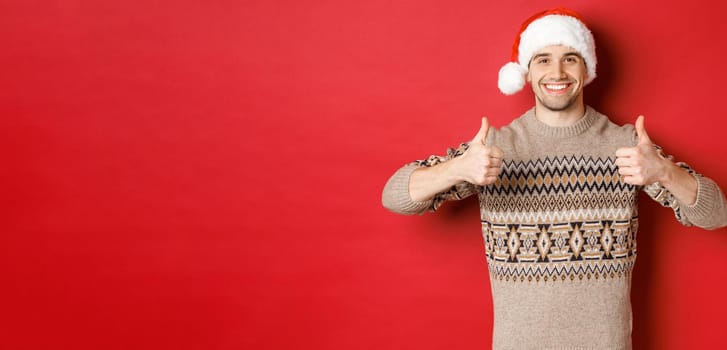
(556, 87)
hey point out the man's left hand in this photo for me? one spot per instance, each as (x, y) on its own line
(641, 164)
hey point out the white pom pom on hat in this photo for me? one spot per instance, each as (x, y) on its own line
(558, 26)
(511, 78)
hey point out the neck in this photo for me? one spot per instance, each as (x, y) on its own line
(566, 117)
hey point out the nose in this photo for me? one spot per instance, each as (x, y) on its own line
(558, 71)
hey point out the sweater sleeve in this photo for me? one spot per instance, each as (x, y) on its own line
(396, 196)
(709, 211)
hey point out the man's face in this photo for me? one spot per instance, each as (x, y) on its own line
(556, 74)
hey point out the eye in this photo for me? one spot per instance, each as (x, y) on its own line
(542, 60)
(571, 59)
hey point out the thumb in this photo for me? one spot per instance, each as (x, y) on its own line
(641, 132)
(482, 133)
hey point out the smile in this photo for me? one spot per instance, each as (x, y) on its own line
(556, 88)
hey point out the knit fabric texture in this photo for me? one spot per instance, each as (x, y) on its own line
(559, 229)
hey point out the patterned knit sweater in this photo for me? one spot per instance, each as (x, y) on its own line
(559, 229)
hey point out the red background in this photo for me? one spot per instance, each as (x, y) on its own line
(207, 174)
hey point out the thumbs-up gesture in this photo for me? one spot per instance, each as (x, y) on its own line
(480, 164)
(641, 164)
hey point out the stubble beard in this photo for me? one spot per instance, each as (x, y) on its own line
(555, 103)
(557, 106)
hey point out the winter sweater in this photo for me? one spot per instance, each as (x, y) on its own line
(559, 229)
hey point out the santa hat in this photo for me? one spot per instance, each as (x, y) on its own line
(559, 26)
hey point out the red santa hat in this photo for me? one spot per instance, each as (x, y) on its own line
(558, 26)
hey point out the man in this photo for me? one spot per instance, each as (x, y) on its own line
(557, 190)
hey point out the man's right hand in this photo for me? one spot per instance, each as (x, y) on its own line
(480, 164)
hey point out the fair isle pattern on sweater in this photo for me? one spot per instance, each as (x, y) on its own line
(559, 218)
(545, 219)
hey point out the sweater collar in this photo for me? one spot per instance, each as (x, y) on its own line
(542, 129)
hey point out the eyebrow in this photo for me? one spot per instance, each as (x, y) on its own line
(573, 54)
(547, 54)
